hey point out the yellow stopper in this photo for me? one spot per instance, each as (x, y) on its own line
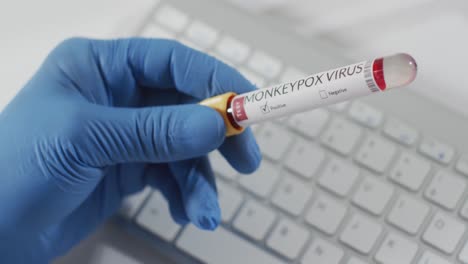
(220, 104)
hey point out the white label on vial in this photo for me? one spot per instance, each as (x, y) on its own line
(314, 91)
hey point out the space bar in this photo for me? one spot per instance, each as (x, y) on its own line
(221, 246)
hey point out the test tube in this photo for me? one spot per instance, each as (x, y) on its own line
(314, 91)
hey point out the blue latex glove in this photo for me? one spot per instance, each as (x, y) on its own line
(100, 120)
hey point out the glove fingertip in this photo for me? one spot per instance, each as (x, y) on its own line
(204, 213)
(209, 217)
(198, 189)
(208, 223)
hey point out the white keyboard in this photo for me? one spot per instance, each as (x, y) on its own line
(342, 185)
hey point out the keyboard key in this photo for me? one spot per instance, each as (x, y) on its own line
(261, 182)
(321, 251)
(462, 165)
(291, 74)
(431, 258)
(361, 234)
(373, 195)
(339, 177)
(254, 78)
(396, 250)
(310, 123)
(408, 214)
(218, 57)
(221, 167)
(326, 214)
(354, 260)
(155, 217)
(340, 107)
(132, 203)
(201, 34)
(464, 210)
(287, 239)
(444, 232)
(273, 140)
(254, 220)
(341, 136)
(230, 200)
(400, 132)
(232, 49)
(365, 115)
(445, 189)
(189, 43)
(437, 151)
(222, 246)
(172, 18)
(264, 64)
(304, 159)
(376, 153)
(292, 195)
(410, 171)
(154, 31)
(463, 256)
(108, 254)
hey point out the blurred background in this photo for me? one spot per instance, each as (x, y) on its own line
(434, 32)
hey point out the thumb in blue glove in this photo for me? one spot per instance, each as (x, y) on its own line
(101, 120)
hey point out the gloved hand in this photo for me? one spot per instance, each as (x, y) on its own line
(100, 120)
